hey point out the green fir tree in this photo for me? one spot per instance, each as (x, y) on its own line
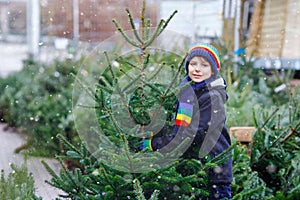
(134, 94)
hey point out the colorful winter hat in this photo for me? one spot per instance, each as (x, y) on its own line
(207, 51)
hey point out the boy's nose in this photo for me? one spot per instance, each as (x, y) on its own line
(197, 68)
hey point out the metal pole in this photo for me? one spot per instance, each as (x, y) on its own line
(75, 22)
(33, 28)
(4, 22)
(236, 33)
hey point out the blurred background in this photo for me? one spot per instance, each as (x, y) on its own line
(264, 29)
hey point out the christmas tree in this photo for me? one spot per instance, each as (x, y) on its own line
(126, 89)
(122, 94)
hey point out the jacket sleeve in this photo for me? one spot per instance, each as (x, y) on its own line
(155, 142)
(184, 112)
(204, 130)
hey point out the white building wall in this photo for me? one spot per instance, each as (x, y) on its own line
(195, 18)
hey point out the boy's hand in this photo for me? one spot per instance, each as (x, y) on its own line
(146, 141)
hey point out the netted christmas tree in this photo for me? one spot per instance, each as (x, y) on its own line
(127, 87)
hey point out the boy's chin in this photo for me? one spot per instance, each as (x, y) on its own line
(198, 80)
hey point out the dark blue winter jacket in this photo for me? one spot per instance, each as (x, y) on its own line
(201, 117)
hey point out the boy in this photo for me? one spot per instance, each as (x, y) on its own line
(201, 116)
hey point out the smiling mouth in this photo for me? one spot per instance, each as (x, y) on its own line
(196, 75)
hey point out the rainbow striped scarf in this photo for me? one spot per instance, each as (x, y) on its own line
(186, 103)
(184, 114)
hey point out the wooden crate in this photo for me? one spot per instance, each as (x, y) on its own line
(242, 133)
(295, 83)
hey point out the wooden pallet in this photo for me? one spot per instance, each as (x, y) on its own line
(243, 134)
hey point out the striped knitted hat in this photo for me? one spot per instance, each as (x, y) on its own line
(207, 51)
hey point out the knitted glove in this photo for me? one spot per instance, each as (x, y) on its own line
(146, 142)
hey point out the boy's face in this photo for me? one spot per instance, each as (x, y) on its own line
(199, 69)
